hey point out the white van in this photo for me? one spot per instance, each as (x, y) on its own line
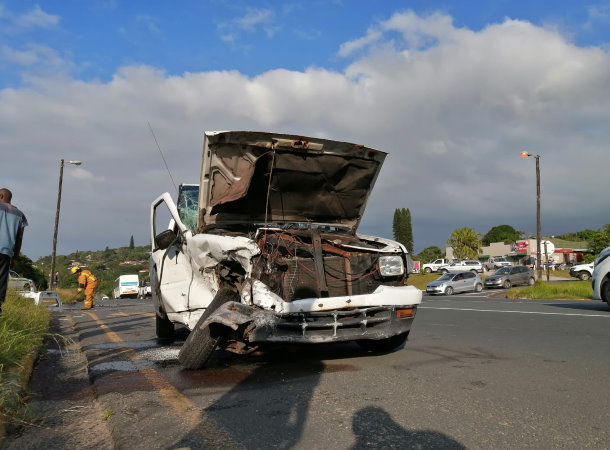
(126, 286)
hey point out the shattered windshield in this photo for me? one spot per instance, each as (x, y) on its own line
(188, 205)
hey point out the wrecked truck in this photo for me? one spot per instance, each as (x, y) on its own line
(264, 249)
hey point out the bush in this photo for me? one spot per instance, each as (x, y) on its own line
(23, 329)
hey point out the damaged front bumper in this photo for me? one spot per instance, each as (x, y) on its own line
(375, 322)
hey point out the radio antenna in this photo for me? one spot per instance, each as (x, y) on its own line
(162, 157)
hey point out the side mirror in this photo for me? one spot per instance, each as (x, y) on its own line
(164, 239)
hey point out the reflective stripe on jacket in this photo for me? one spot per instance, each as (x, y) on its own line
(86, 277)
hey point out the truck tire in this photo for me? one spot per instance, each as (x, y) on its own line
(427, 270)
(163, 327)
(383, 345)
(583, 276)
(605, 291)
(201, 343)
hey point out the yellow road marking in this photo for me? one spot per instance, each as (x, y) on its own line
(192, 415)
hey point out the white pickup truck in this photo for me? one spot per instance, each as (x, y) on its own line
(435, 265)
(495, 262)
(582, 271)
(265, 249)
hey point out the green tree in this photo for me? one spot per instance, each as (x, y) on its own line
(131, 245)
(583, 235)
(429, 254)
(600, 240)
(401, 227)
(25, 267)
(465, 243)
(501, 233)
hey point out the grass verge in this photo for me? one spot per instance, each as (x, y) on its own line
(574, 290)
(23, 330)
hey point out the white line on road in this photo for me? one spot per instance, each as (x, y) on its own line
(519, 312)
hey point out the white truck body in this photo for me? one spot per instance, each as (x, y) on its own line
(601, 276)
(265, 249)
(126, 286)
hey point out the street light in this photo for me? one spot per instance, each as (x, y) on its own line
(61, 176)
(538, 253)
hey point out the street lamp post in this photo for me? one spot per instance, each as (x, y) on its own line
(538, 252)
(61, 176)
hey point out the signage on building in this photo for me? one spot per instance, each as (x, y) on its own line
(520, 246)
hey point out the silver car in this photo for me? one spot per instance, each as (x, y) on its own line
(505, 277)
(450, 283)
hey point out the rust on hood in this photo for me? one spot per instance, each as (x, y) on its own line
(256, 177)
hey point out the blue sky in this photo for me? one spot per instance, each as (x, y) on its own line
(451, 90)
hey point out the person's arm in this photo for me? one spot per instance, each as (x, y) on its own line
(17, 247)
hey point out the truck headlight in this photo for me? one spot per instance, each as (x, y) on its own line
(391, 266)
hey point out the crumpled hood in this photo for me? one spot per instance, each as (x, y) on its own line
(256, 177)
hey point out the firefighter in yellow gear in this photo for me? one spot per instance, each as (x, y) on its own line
(87, 282)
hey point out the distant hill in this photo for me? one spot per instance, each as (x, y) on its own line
(107, 265)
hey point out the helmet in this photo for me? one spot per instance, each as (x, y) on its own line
(75, 269)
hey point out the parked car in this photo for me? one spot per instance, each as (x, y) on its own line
(450, 283)
(495, 262)
(601, 276)
(274, 254)
(582, 271)
(19, 283)
(461, 266)
(435, 265)
(505, 277)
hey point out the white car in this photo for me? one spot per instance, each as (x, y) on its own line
(601, 277)
(452, 283)
(272, 254)
(19, 283)
(471, 265)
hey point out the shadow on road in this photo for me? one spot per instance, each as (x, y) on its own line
(375, 428)
(268, 409)
(583, 305)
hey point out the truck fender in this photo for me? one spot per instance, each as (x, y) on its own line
(234, 314)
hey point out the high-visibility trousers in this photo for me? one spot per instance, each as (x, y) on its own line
(90, 294)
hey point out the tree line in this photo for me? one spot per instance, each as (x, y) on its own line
(467, 243)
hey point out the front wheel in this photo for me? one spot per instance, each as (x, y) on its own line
(383, 345)
(427, 270)
(164, 327)
(448, 290)
(202, 342)
(478, 287)
(531, 281)
(506, 284)
(584, 276)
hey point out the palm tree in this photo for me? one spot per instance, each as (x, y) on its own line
(465, 243)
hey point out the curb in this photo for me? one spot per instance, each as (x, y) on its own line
(24, 373)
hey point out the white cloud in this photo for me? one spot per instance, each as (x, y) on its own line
(251, 22)
(453, 107)
(34, 18)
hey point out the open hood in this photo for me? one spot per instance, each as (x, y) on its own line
(257, 177)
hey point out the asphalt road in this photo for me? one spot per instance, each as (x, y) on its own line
(477, 372)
